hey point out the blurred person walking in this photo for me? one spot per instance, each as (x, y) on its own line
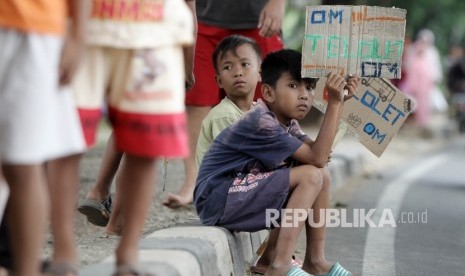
(39, 126)
(424, 71)
(134, 65)
(456, 86)
(98, 204)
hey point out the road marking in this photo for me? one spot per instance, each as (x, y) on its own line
(378, 257)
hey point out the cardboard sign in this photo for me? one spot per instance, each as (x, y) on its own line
(375, 114)
(362, 40)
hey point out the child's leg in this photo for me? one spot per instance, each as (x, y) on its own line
(97, 206)
(63, 180)
(267, 256)
(315, 260)
(195, 115)
(115, 224)
(137, 186)
(27, 215)
(110, 163)
(305, 184)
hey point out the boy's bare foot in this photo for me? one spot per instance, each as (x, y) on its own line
(277, 270)
(111, 230)
(262, 265)
(321, 268)
(175, 201)
(97, 195)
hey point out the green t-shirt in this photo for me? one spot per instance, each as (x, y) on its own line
(220, 117)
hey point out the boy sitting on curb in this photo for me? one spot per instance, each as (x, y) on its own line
(248, 168)
(237, 65)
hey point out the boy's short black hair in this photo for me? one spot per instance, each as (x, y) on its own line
(279, 62)
(231, 43)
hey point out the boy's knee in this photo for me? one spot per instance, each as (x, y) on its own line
(326, 177)
(314, 176)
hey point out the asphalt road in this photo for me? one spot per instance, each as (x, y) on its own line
(404, 220)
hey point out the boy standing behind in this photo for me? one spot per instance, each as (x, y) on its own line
(134, 64)
(248, 169)
(237, 65)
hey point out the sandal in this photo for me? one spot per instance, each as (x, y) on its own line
(297, 271)
(97, 213)
(60, 269)
(338, 270)
(131, 270)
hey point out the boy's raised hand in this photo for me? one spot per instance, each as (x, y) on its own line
(352, 87)
(335, 84)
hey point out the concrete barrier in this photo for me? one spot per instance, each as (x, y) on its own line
(211, 251)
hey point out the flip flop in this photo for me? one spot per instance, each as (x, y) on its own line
(61, 268)
(97, 213)
(297, 271)
(337, 270)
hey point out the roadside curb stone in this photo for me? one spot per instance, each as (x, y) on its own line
(193, 249)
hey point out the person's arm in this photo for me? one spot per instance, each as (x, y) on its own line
(75, 40)
(271, 18)
(317, 153)
(189, 51)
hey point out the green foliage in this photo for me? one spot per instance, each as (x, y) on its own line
(446, 18)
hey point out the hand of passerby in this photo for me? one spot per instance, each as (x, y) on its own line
(69, 59)
(271, 18)
(190, 81)
(74, 44)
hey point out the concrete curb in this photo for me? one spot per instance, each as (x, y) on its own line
(212, 251)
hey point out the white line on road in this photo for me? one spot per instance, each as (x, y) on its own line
(378, 257)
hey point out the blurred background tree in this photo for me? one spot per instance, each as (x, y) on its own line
(446, 18)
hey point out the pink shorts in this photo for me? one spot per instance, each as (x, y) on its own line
(144, 91)
(205, 91)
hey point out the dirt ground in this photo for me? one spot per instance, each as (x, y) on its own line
(94, 245)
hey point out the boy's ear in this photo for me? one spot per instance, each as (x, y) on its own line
(267, 93)
(218, 81)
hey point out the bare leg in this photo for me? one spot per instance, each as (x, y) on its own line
(195, 116)
(137, 185)
(267, 256)
(115, 224)
(27, 215)
(315, 260)
(110, 163)
(306, 182)
(63, 181)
